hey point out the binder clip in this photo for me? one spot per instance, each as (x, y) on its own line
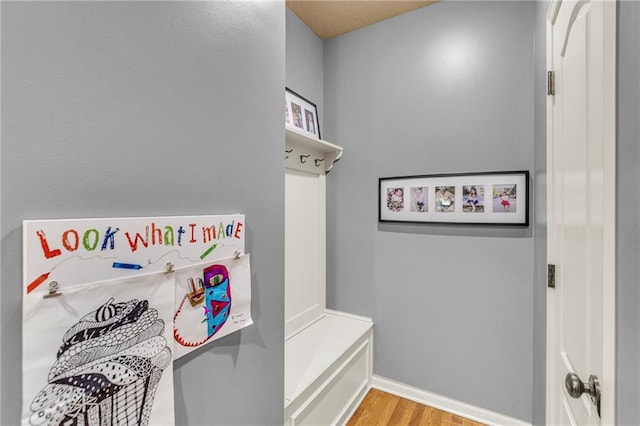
(53, 290)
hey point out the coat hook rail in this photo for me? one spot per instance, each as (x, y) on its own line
(288, 151)
(318, 161)
(303, 158)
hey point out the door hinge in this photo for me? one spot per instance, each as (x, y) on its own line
(551, 275)
(551, 83)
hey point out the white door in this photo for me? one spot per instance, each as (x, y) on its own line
(581, 210)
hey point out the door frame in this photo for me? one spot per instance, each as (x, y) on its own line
(609, 265)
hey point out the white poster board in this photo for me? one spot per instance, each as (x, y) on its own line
(80, 280)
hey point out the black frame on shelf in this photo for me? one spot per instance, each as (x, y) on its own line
(293, 100)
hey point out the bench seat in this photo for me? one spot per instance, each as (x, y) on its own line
(327, 369)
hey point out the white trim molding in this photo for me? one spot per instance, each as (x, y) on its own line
(449, 405)
(552, 13)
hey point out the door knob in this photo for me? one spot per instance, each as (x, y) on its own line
(576, 387)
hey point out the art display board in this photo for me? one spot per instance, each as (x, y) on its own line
(100, 354)
(108, 304)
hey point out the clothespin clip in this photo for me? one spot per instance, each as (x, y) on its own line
(236, 255)
(53, 290)
(169, 266)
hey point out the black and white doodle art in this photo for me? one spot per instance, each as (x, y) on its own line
(107, 369)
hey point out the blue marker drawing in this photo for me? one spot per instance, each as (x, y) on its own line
(126, 265)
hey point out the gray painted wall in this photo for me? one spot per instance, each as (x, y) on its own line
(628, 212)
(149, 109)
(74, 90)
(445, 89)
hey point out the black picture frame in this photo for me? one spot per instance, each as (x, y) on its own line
(479, 198)
(301, 114)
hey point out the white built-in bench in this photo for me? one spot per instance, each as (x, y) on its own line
(328, 354)
(327, 369)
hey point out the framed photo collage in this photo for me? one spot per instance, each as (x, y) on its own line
(491, 198)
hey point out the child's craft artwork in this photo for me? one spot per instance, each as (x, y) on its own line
(212, 301)
(108, 304)
(100, 354)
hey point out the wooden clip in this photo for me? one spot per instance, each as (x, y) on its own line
(53, 290)
(236, 255)
(169, 266)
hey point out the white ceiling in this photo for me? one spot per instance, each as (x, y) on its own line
(330, 18)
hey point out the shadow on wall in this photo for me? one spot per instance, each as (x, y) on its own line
(461, 230)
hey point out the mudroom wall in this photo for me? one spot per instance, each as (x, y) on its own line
(448, 88)
(119, 109)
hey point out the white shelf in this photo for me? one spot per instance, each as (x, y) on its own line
(309, 154)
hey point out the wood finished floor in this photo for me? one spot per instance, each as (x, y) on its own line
(383, 409)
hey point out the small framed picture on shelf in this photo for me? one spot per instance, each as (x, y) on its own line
(301, 114)
(491, 198)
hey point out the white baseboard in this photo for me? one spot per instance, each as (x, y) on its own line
(449, 405)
